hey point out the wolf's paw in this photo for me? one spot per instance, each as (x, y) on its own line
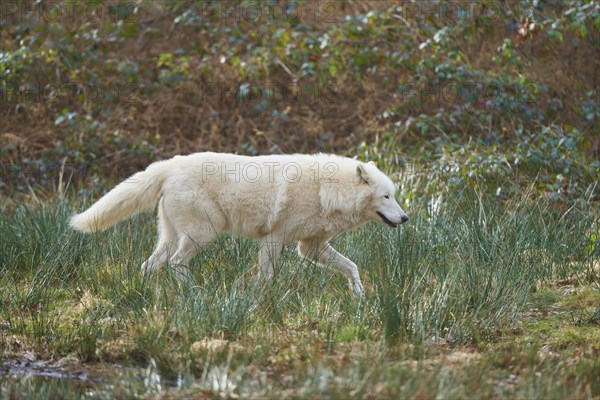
(357, 288)
(145, 268)
(183, 275)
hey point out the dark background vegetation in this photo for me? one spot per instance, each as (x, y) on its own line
(504, 90)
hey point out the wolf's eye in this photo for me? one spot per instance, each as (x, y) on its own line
(386, 197)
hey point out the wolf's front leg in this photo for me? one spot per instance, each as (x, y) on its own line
(330, 256)
(327, 255)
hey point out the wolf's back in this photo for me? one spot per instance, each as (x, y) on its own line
(138, 193)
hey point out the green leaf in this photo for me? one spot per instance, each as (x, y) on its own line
(332, 69)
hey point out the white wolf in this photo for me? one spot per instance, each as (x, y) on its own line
(277, 199)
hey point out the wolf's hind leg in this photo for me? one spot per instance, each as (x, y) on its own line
(167, 241)
(328, 256)
(189, 245)
(186, 250)
(270, 250)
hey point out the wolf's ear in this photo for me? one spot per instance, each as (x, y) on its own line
(372, 163)
(362, 176)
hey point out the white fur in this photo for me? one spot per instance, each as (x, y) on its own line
(277, 199)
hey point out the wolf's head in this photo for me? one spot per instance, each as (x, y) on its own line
(380, 202)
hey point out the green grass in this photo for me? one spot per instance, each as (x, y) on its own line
(472, 298)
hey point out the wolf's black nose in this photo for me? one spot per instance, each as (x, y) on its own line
(404, 218)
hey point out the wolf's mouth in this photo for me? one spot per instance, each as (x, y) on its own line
(387, 221)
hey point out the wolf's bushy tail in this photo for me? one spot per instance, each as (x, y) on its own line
(138, 193)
